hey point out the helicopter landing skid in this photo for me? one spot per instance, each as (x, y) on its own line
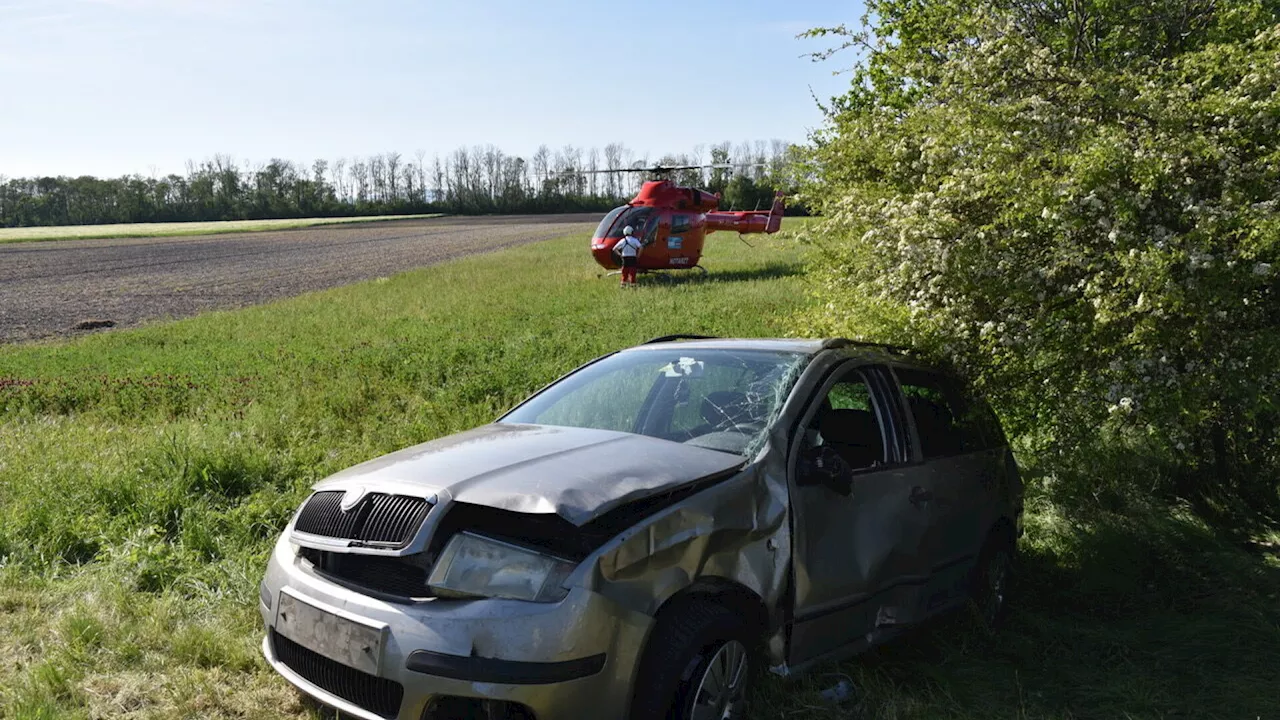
(656, 273)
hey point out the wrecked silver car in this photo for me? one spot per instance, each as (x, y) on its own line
(641, 536)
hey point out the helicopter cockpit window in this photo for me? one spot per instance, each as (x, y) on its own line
(603, 229)
(680, 223)
(636, 217)
(650, 232)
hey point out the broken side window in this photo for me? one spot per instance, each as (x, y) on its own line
(847, 423)
(943, 421)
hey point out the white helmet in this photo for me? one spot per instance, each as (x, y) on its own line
(628, 230)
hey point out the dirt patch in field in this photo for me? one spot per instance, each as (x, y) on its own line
(48, 289)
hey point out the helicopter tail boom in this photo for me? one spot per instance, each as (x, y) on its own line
(749, 221)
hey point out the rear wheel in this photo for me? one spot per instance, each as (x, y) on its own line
(991, 580)
(698, 665)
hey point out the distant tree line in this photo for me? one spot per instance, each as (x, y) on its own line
(477, 180)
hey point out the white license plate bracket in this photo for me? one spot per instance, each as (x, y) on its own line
(331, 632)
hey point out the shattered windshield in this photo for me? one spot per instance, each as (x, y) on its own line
(719, 399)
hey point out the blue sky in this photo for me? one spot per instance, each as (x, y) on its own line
(108, 87)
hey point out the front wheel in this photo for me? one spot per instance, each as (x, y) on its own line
(698, 665)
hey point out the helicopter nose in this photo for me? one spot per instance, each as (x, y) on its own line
(600, 250)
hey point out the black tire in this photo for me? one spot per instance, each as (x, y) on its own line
(689, 636)
(992, 579)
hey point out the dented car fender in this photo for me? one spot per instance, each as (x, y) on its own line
(737, 531)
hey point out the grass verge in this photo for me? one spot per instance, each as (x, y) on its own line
(144, 474)
(1142, 614)
(181, 229)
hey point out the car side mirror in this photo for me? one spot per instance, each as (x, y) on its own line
(822, 465)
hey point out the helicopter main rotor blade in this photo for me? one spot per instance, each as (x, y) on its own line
(661, 169)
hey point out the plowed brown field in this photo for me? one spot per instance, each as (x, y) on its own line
(48, 288)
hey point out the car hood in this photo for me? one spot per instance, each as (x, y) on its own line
(576, 473)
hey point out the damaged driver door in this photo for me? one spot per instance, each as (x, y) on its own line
(861, 517)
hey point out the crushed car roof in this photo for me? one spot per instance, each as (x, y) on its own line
(807, 346)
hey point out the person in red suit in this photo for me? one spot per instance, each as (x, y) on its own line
(629, 248)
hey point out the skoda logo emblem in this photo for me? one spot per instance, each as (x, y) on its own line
(352, 498)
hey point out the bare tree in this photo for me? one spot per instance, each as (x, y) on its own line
(493, 167)
(460, 172)
(450, 189)
(541, 168)
(635, 180)
(613, 161)
(696, 159)
(719, 177)
(475, 178)
(742, 159)
(360, 180)
(593, 164)
(338, 171)
(514, 184)
(573, 165)
(420, 157)
(393, 172)
(409, 183)
(779, 162)
(437, 179)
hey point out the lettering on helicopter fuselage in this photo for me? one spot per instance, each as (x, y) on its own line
(675, 242)
(679, 261)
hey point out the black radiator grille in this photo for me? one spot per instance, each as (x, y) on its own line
(378, 518)
(398, 576)
(377, 695)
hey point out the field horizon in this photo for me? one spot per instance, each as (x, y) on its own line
(40, 233)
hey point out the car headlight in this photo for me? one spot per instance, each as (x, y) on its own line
(476, 566)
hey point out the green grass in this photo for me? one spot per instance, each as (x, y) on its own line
(144, 475)
(179, 229)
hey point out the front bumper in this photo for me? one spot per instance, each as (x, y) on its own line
(575, 658)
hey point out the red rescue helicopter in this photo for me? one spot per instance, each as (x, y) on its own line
(673, 223)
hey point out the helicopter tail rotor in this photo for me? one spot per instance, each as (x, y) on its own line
(775, 213)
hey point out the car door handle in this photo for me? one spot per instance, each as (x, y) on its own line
(920, 495)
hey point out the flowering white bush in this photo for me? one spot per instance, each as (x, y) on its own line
(1091, 239)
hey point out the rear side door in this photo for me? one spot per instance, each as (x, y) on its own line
(961, 472)
(859, 534)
